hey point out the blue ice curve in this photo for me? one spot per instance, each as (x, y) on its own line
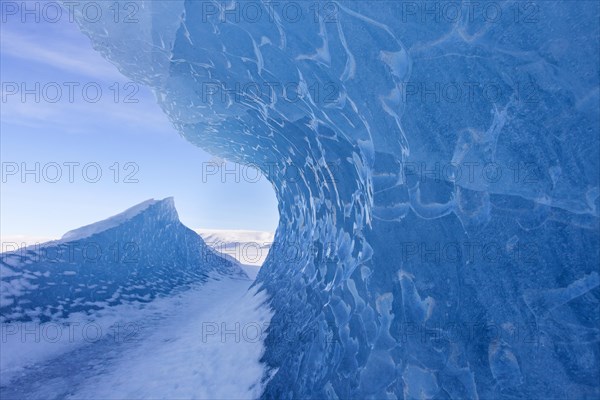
(445, 248)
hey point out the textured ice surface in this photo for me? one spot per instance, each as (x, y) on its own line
(131, 257)
(112, 222)
(436, 177)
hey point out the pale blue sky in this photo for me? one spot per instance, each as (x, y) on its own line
(104, 132)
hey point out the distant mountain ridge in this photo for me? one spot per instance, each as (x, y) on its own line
(136, 255)
(247, 247)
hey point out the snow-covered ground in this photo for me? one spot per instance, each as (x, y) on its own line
(204, 343)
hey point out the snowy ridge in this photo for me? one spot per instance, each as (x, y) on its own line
(100, 226)
(249, 248)
(236, 236)
(135, 256)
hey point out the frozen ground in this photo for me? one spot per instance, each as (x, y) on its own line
(205, 343)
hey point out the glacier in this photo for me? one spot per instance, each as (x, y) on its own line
(132, 257)
(437, 175)
(82, 316)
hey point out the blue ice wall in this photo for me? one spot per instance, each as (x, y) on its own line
(436, 166)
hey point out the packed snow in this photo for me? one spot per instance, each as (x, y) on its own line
(202, 343)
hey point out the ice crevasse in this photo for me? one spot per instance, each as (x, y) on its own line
(437, 184)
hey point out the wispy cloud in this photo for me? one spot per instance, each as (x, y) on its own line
(66, 54)
(143, 117)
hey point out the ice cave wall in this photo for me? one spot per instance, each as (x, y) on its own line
(432, 242)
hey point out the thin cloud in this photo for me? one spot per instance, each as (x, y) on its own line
(67, 117)
(62, 55)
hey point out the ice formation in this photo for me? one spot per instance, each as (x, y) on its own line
(437, 181)
(131, 257)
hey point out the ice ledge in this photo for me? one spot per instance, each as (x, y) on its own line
(166, 204)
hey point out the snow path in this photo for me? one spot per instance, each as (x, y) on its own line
(204, 343)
